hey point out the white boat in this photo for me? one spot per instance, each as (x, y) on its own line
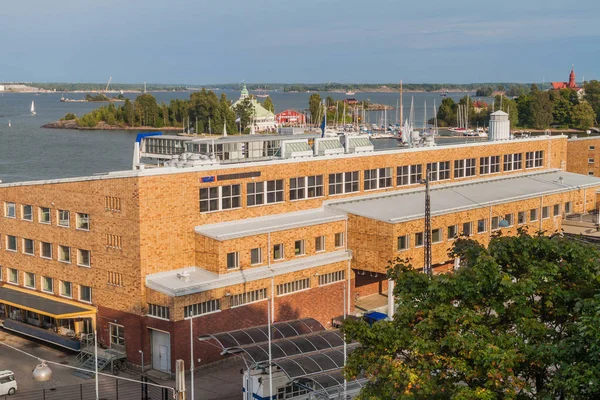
(32, 107)
(9, 125)
(350, 93)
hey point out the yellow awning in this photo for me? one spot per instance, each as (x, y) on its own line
(44, 304)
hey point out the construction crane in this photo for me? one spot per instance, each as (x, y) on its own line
(108, 84)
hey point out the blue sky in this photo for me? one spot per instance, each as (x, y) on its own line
(226, 41)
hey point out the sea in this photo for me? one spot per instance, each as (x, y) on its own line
(29, 152)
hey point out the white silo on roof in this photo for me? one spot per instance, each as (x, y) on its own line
(499, 126)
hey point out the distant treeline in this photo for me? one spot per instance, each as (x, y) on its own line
(72, 87)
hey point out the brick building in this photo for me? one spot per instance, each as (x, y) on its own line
(218, 226)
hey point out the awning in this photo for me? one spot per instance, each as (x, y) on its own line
(44, 304)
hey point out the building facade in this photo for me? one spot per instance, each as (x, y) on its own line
(139, 254)
(290, 118)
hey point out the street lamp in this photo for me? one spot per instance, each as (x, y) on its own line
(142, 353)
(42, 372)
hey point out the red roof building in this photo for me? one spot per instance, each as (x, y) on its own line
(566, 85)
(290, 117)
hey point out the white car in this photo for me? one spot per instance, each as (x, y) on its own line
(8, 384)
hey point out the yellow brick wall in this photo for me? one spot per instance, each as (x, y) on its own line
(579, 153)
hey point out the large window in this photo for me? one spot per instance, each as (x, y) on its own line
(10, 210)
(83, 258)
(513, 162)
(481, 226)
(332, 277)
(64, 218)
(306, 187)
(299, 248)
(344, 182)
(28, 247)
(314, 186)
(319, 243)
(409, 174)
(403, 242)
(436, 235)
(13, 275)
(467, 228)
(278, 252)
(255, 193)
(510, 219)
(298, 188)
(275, 191)
(489, 165)
(439, 171)
(156, 311)
(339, 239)
(233, 260)
(533, 214)
(44, 217)
(248, 297)
(220, 198)
(85, 293)
(209, 199)
(377, 178)
(83, 221)
(256, 256)
(295, 286)
(47, 284)
(11, 243)
(66, 289)
(231, 197)
(534, 159)
(464, 168)
(27, 212)
(64, 254)
(206, 307)
(419, 239)
(452, 232)
(29, 280)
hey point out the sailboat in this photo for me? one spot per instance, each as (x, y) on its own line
(33, 107)
(9, 125)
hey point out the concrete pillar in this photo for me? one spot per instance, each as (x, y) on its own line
(391, 305)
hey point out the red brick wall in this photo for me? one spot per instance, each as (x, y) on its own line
(367, 285)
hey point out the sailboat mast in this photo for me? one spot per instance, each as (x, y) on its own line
(401, 116)
(425, 117)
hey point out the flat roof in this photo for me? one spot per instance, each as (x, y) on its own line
(36, 303)
(184, 170)
(185, 281)
(407, 205)
(272, 223)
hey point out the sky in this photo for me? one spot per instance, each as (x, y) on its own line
(280, 41)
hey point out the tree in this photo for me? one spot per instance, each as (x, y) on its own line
(592, 95)
(518, 320)
(329, 101)
(268, 104)
(314, 107)
(583, 116)
(244, 111)
(540, 110)
(508, 106)
(446, 114)
(484, 91)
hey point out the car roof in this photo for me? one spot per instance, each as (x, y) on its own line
(6, 372)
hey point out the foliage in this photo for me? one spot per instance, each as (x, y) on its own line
(446, 115)
(97, 97)
(518, 320)
(69, 117)
(485, 91)
(314, 107)
(592, 95)
(583, 116)
(244, 111)
(507, 105)
(268, 104)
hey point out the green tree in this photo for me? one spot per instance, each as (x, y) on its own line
(268, 104)
(244, 110)
(540, 110)
(329, 101)
(146, 110)
(592, 95)
(446, 114)
(518, 320)
(128, 113)
(561, 111)
(583, 116)
(508, 106)
(484, 91)
(228, 115)
(314, 107)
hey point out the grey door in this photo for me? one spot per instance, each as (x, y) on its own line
(161, 351)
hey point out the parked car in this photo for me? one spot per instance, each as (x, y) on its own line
(8, 384)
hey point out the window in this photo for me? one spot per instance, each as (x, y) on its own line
(436, 235)
(481, 226)
(45, 250)
(591, 173)
(117, 334)
(467, 228)
(44, 215)
(29, 280)
(28, 247)
(206, 307)
(339, 239)
(11, 243)
(63, 218)
(27, 213)
(114, 241)
(319, 243)
(510, 219)
(13, 276)
(299, 248)
(64, 253)
(336, 184)
(156, 311)
(403, 242)
(66, 289)
(452, 231)
(83, 258)
(533, 214)
(114, 278)
(489, 165)
(439, 171)
(545, 212)
(464, 168)
(418, 239)
(83, 221)
(495, 223)
(10, 210)
(275, 191)
(315, 186)
(209, 199)
(351, 182)
(297, 188)
(47, 284)
(521, 218)
(231, 197)
(332, 277)
(255, 193)
(590, 160)
(409, 174)
(592, 148)
(248, 297)
(556, 210)
(534, 159)
(278, 252)
(85, 293)
(568, 207)
(291, 287)
(377, 178)
(233, 260)
(256, 256)
(513, 162)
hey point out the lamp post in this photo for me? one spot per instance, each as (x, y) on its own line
(142, 353)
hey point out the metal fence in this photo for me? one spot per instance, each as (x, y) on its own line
(108, 390)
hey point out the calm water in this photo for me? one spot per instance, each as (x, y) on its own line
(29, 152)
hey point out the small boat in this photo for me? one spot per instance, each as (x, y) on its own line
(9, 125)
(33, 108)
(350, 93)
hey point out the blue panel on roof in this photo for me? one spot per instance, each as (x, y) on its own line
(142, 135)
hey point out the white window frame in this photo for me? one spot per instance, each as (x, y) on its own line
(80, 291)
(26, 240)
(30, 212)
(299, 248)
(320, 244)
(406, 243)
(203, 308)
(440, 237)
(378, 178)
(568, 208)
(590, 160)
(16, 240)
(277, 191)
(495, 223)
(236, 260)
(556, 207)
(332, 277)
(243, 299)
(9, 276)
(534, 159)
(159, 312)
(438, 171)
(315, 186)
(464, 168)
(259, 253)
(10, 209)
(420, 235)
(282, 251)
(536, 212)
(60, 218)
(61, 289)
(232, 197)
(470, 225)
(61, 251)
(26, 276)
(513, 162)
(524, 219)
(255, 194)
(44, 280)
(297, 188)
(306, 187)
(340, 240)
(83, 219)
(409, 174)
(489, 165)
(42, 250)
(510, 218)
(80, 257)
(45, 211)
(454, 228)
(213, 194)
(484, 230)
(299, 285)
(546, 211)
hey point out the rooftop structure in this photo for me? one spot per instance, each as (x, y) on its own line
(262, 119)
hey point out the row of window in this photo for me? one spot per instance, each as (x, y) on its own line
(254, 296)
(47, 284)
(481, 226)
(256, 254)
(306, 187)
(46, 250)
(63, 217)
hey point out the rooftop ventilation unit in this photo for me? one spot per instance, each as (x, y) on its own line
(328, 146)
(359, 144)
